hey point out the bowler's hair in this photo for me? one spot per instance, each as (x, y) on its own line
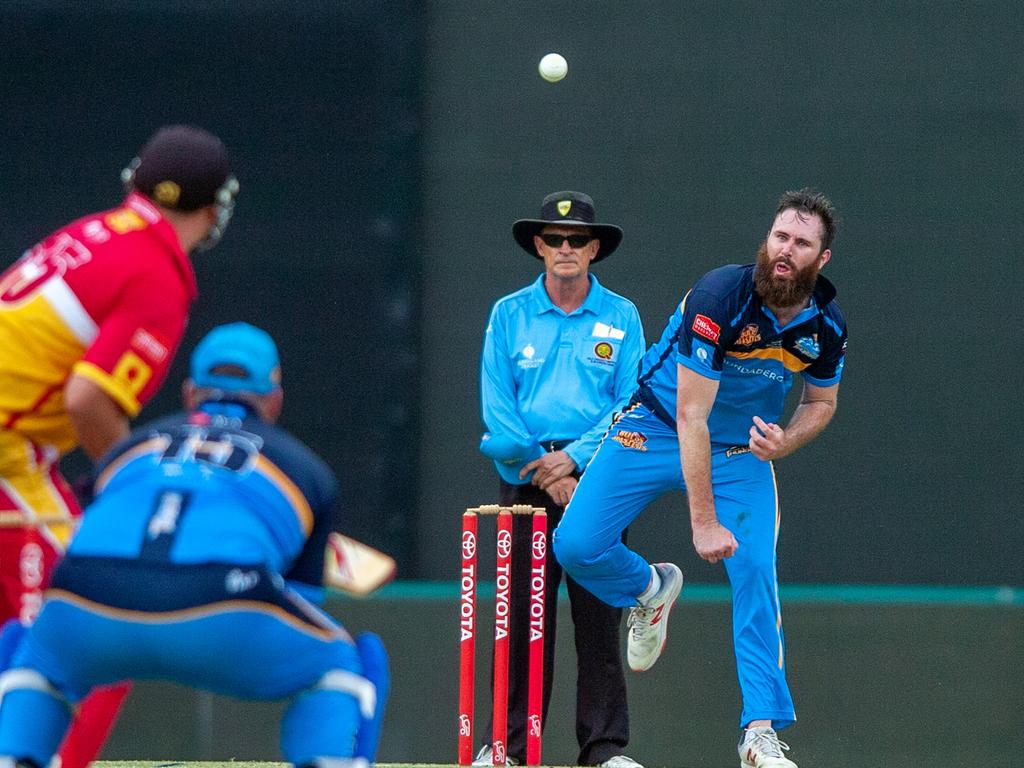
(812, 202)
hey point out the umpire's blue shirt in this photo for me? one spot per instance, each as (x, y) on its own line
(723, 331)
(550, 376)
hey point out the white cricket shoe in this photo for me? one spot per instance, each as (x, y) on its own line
(619, 761)
(761, 748)
(648, 624)
(486, 757)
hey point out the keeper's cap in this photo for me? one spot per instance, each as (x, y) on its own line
(237, 357)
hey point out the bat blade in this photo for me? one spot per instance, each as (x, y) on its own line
(354, 567)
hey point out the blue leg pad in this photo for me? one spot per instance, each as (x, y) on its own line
(375, 669)
(32, 724)
(319, 723)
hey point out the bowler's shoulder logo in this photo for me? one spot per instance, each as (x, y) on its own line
(635, 440)
(809, 346)
(706, 327)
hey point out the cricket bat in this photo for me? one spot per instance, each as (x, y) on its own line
(354, 567)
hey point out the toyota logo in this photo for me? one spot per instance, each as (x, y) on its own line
(540, 545)
(468, 545)
(504, 543)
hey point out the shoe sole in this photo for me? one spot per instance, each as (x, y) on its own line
(670, 604)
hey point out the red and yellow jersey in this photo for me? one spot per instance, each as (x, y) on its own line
(105, 297)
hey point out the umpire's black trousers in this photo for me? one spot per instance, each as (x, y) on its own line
(602, 712)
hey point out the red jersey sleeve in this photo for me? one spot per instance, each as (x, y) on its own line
(135, 345)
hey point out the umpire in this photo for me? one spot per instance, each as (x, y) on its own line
(560, 357)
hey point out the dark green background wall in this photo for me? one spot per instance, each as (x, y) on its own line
(384, 152)
(685, 121)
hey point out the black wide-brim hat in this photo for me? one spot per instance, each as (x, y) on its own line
(572, 209)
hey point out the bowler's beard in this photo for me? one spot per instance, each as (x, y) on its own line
(783, 291)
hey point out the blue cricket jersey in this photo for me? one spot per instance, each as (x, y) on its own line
(206, 487)
(548, 376)
(722, 330)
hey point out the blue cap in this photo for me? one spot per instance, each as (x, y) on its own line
(510, 455)
(237, 357)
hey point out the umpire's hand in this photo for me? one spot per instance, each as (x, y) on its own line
(549, 468)
(561, 490)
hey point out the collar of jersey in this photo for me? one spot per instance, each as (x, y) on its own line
(824, 292)
(542, 302)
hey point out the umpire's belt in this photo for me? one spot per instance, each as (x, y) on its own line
(555, 445)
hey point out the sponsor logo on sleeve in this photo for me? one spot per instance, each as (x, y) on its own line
(149, 345)
(706, 327)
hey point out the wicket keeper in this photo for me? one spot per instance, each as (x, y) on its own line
(199, 562)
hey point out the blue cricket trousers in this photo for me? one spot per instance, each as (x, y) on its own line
(637, 461)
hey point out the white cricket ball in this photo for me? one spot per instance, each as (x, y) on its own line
(553, 67)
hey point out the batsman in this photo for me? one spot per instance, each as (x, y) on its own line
(90, 319)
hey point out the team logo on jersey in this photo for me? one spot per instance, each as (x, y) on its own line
(707, 328)
(749, 336)
(125, 220)
(564, 206)
(809, 346)
(635, 440)
(604, 350)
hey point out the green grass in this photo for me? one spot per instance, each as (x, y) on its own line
(237, 764)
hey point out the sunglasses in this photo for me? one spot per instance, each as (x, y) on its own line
(575, 241)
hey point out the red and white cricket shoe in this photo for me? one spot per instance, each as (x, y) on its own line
(761, 748)
(648, 624)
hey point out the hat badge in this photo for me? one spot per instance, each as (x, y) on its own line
(564, 206)
(167, 193)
